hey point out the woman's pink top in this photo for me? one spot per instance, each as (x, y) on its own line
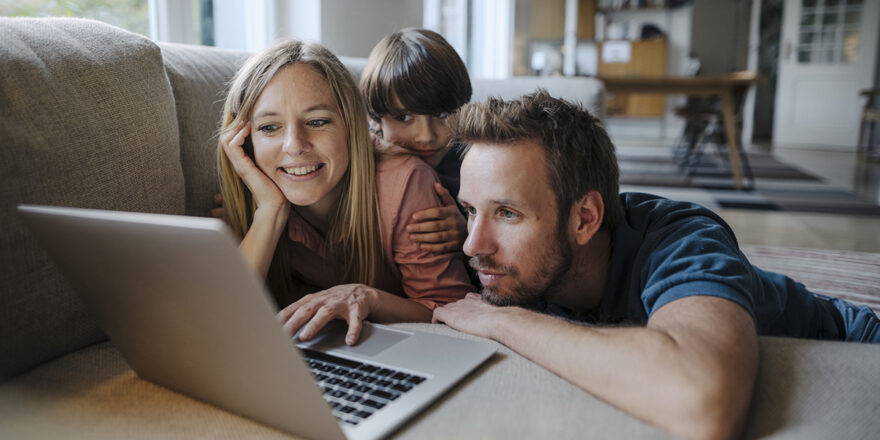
(405, 185)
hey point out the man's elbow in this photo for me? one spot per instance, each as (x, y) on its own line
(713, 412)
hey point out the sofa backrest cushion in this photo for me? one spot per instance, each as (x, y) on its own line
(199, 77)
(589, 92)
(87, 119)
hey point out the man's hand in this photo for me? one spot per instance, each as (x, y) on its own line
(351, 302)
(441, 229)
(470, 315)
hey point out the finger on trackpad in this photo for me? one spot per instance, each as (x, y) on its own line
(373, 340)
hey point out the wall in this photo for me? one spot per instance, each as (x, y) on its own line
(720, 34)
(352, 28)
(677, 24)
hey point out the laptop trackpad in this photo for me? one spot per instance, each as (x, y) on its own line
(373, 340)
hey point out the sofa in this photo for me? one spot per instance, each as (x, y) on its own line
(97, 117)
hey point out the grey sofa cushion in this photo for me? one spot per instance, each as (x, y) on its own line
(199, 77)
(87, 119)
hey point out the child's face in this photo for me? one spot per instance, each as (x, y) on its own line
(426, 136)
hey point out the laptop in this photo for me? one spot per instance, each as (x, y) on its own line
(177, 299)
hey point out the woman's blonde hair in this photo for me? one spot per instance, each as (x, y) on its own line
(354, 223)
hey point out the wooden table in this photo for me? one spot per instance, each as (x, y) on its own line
(726, 87)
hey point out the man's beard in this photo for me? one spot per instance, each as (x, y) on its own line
(553, 268)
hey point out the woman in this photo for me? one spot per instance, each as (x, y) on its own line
(314, 210)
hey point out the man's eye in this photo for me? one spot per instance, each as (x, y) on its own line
(507, 214)
(403, 118)
(441, 115)
(268, 128)
(315, 123)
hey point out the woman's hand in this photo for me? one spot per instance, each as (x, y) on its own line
(441, 229)
(351, 302)
(265, 192)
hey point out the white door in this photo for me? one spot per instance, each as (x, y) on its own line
(829, 50)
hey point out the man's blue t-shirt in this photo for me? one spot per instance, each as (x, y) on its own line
(665, 250)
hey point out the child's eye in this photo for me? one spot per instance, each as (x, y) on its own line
(316, 123)
(470, 211)
(403, 118)
(441, 115)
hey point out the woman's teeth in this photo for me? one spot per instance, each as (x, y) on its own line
(301, 171)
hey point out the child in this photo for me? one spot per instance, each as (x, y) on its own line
(412, 80)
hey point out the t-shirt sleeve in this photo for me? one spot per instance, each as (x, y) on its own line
(695, 257)
(429, 278)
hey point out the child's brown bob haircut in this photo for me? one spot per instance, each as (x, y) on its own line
(420, 69)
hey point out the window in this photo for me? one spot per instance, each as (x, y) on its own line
(480, 31)
(132, 15)
(181, 21)
(829, 31)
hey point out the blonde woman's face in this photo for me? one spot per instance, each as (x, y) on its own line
(300, 139)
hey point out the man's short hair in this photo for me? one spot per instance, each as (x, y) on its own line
(579, 154)
(421, 69)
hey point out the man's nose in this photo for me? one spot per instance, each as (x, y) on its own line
(480, 241)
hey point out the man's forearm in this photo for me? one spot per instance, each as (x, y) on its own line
(645, 372)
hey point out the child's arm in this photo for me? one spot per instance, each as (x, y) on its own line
(441, 229)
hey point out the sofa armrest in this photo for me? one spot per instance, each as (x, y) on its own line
(87, 120)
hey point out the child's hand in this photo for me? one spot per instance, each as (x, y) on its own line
(441, 229)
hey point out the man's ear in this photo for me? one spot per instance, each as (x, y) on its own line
(586, 216)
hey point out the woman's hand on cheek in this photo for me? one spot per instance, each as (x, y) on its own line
(351, 302)
(265, 191)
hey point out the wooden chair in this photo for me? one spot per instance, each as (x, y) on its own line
(704, 129)
(868, 146)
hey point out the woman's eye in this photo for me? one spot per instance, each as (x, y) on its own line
(315, 123)
(268, 128)
(403, 118)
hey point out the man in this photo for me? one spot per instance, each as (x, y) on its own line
(548, 232)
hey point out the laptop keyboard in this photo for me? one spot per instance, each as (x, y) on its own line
(356, 390)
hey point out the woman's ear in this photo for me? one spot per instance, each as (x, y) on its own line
(586, 215)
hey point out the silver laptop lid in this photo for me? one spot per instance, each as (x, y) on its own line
(168, 274)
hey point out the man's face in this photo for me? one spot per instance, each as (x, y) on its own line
(514, 239)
